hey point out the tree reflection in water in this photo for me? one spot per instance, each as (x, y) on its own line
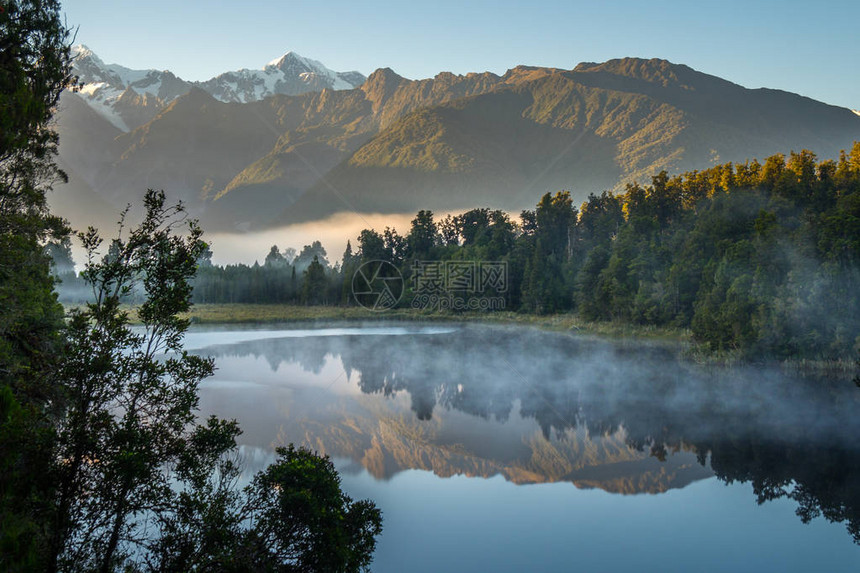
(786, 435)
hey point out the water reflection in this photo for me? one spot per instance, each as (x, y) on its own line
(541, 407)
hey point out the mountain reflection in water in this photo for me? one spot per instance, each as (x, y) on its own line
(541, 407)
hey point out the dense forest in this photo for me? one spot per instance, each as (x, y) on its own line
(761, 258)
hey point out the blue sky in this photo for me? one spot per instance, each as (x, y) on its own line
(804, 47)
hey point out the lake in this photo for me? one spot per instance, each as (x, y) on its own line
(492, 448)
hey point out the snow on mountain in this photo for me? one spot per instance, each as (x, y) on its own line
(292, 63)
(291, 74)
(128, 98)
(857, 111)
(120, 94)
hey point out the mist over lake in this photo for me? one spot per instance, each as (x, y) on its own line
(509, 449)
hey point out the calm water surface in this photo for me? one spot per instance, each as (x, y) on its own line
(510, 449)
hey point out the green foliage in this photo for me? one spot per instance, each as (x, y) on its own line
(314, 287)
(140, 482)
(371, 247)
(588, 280)
(23, 495)
(423, 236)
(202, 529)
(34, 69)
(128, 412)
(349, 265)
(303, 518)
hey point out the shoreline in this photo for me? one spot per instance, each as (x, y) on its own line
(271, 314)
(202, 314)
(285, 313)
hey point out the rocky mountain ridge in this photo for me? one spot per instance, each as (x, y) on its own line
(451, 142)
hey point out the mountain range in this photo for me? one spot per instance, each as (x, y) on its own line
(298, 142)
(129, 98)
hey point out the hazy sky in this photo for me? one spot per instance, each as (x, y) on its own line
(800, 46)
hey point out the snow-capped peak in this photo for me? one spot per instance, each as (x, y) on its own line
(279, 61)
(105, 84)
(290, 74)
(82, 51)
(857, 111)
(294, 58)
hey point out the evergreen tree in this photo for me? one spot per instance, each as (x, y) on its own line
(314, 286)
(422, 237)
(294, 284)
(349, 266)
(371, 247)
